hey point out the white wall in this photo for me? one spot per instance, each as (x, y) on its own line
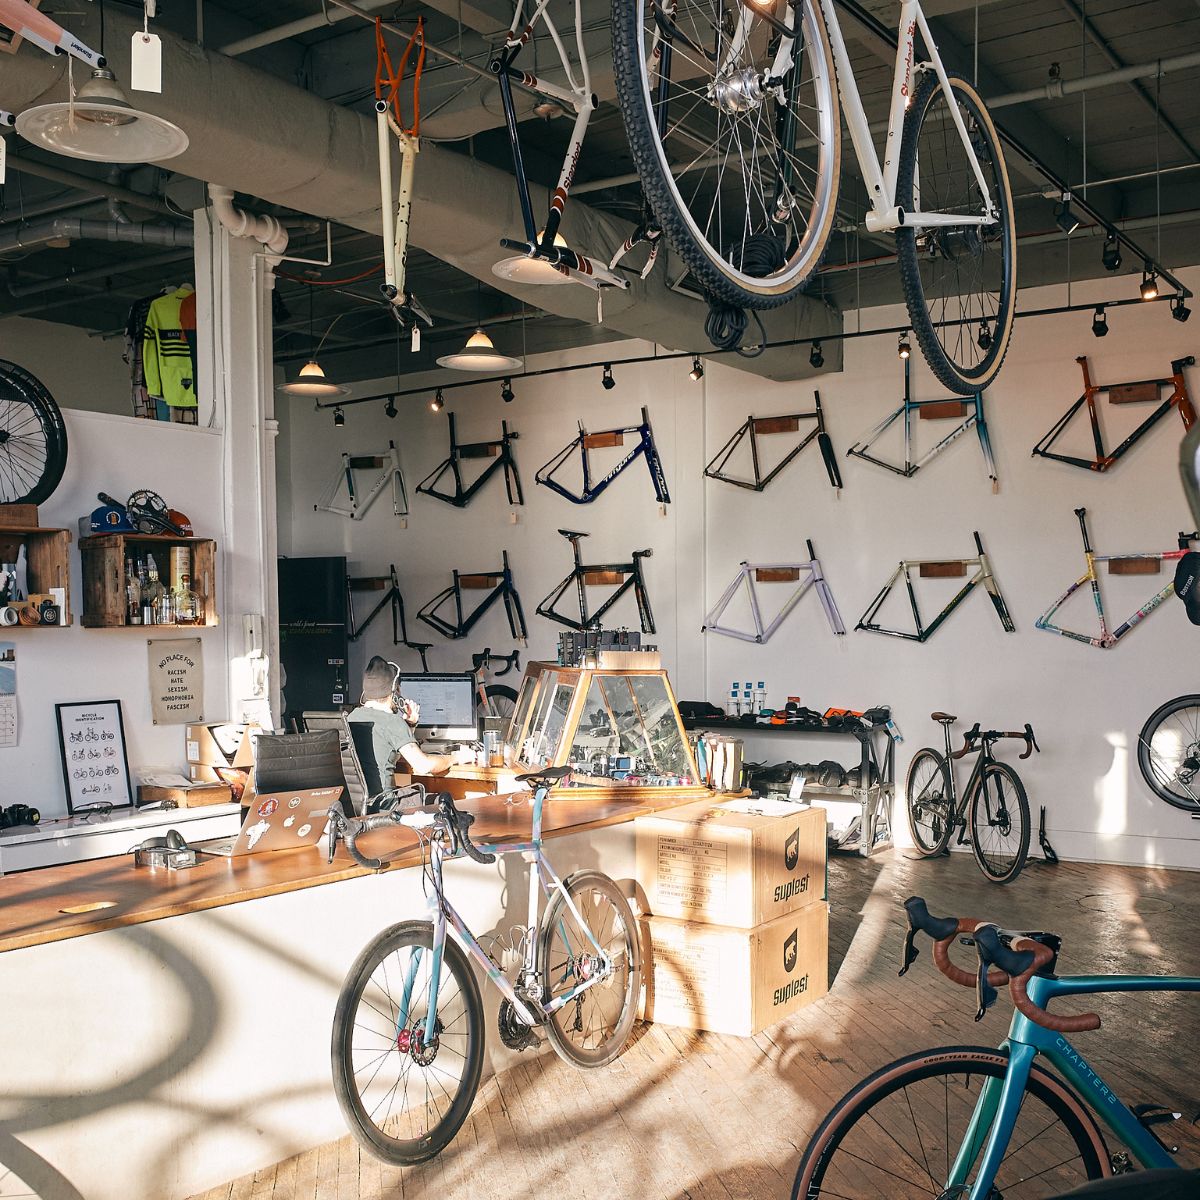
(1086, 705)
(79, 371)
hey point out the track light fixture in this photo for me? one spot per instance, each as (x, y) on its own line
(1149, 288)
(437, 403)
(984, 337)
(697, 371)
(389, 409)
(816, 359)
(903, 348)
(339, 418)
(1064, 218)
(506, 392)
(607, 382)
(1110, 256)
(1179, 310)
(1100, 322)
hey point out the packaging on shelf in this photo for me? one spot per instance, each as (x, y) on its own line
(220, 744)
(195, 795)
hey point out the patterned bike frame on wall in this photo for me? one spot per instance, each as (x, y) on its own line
(626, 575)
(805, 575)
(935, 568)
(356, 501)
(754, 427)
(1141, 391)
(1118, 564)
(499, 449)
(604, 440)
(501, 585)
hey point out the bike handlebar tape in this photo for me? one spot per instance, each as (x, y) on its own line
(943, 931)
(463, 823)
(365, 825)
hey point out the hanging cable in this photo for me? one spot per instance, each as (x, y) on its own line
(761, 254)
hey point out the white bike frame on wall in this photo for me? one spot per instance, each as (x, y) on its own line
(805, 575)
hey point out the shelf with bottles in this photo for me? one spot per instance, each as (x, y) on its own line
(154, 581)
(46, 555)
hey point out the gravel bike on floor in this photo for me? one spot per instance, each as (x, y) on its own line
(1169, 753)
(973, 1123)
(733, 121)
(408, 1031)
(994, 798)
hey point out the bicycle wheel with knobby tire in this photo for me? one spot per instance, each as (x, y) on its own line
(1000, 823)
(735, 133)
(959, 281)
(898, 1134)
(1169, 753)
(33, 438)
(404, 1097)
(591, 1029)
(929, 798)
(502, 699)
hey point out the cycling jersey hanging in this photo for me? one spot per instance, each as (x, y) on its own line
(168, 364)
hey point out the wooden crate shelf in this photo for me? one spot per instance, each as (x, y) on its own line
(104, 557)
(48, 558)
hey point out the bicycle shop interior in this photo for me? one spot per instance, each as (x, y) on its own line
(659, 513)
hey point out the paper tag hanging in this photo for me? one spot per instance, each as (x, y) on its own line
(145, 66)
(416, 338)
(3, 154)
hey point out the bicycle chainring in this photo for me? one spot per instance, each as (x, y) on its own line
(514, 1033)
(148, 512)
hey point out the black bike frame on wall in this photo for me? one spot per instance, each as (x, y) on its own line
(606, 439)
(499, 449)
(937, 568)
(501, 585)
(626, 575)
(389, 584)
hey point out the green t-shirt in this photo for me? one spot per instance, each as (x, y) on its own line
(390, 733)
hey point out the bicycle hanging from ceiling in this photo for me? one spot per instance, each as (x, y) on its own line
(499, 450)
(805, 575)
(622, 576)
(756, 427)
(389, 584)
(970, 411)
(937, 568)
(604, 440)
(346, 496)
(1144, 391)
(497, 584)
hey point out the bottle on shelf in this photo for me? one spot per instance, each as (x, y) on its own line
(133, 593)
(144, 593)
(186, 602)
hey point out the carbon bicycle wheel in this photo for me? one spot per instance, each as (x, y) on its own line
(1000, 823)
(959, 281)
(735, 135)
(503, 701)
(929, 798)
(898, 1132)
(405, 1099)
(1169, 753)
(33, 438)
(592, 1029)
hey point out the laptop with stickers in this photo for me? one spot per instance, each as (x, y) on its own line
(278, 821)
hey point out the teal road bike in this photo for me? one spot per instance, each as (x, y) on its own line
(973, 1123)
(408, 1030)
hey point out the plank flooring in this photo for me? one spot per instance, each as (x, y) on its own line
(699, 1116)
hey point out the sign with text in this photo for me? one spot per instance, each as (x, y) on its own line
(176, 681)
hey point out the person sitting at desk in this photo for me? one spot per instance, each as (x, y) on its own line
(392, 718)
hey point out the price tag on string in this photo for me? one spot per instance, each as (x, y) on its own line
(145, 62)
(3, 156)
(416, 337)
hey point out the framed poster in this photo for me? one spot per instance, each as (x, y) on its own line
(91, 737)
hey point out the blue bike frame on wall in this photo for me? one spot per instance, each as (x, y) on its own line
(604, 440)
(999, 1103)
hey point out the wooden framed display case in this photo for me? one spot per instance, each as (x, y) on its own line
(47, 557)
(105, 603)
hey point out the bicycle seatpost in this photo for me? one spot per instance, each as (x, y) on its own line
(978, 544)
(1081, 513)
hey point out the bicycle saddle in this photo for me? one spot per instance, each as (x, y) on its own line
(944, 718)
(571, 535)
(548, 775)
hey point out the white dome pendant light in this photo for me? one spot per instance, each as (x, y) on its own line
(479, 354)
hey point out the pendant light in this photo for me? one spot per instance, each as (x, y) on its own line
(312, 380)
(522, 268)
(479, 354)
(102, 126)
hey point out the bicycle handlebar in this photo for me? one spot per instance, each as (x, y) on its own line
(349, 829)
(484, 659)
(460, 825)
(975, 734)
(456, 823)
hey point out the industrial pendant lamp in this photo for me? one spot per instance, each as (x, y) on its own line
(102, 126)
(479, 354)
(521, 268)
(312, 380)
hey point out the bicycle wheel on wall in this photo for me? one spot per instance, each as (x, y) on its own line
(959, 281)
(592, 1029)
(1169, 753)
(1000, 823)
(898, 1132)
(736, 137)
(927, 795)
(404, 1098)
(33, 438)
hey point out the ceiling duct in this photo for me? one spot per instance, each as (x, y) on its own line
(75, 229)
(255, 133)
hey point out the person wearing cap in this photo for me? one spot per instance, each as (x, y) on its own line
(392, 718)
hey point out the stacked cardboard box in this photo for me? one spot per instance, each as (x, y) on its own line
(739, 932)
(221, 752)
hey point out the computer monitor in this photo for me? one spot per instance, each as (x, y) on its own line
(447, 705)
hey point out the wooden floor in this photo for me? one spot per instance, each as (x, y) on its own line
(683, 1115)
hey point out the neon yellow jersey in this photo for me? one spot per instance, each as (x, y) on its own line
(167, 357)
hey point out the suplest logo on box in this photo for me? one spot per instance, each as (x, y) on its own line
(793, 887)
(789, 951)
(791, 849)
(794, 987)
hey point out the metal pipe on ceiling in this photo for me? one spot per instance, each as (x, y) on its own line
(280, 33)
(78, 277)
(81, 229)
(85, 183)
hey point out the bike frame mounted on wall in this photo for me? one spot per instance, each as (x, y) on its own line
(622, 575)
(501, 585)
(933, 568)
(357, 501)
(604, 440)
(756, 427)
(804, 574)
(1140, 391)
(499, 449)
(389, 584)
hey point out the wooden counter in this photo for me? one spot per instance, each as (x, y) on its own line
(56, 903)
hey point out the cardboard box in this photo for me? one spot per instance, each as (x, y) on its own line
(194, 796)
(739, 862)
(239, 779)
(220, 744)
(736, 981)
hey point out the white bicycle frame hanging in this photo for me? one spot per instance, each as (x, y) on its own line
(356, 503)
(805, 574)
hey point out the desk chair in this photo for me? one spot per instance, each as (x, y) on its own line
(364, 787)
(292, 761)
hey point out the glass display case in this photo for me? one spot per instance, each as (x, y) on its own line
(613, 728)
